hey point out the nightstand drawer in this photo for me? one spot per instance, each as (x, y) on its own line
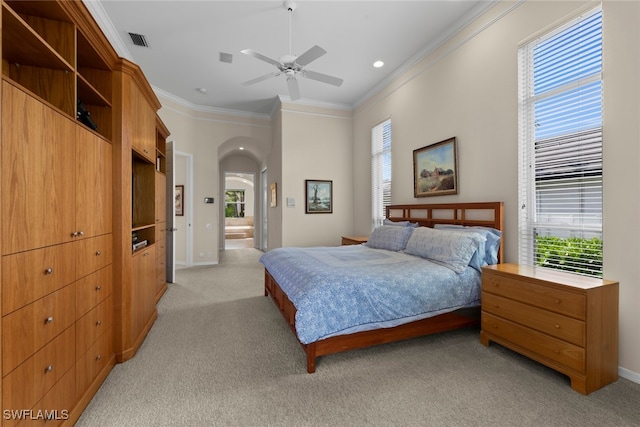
(553, 349)
(552, 299)
(556, 325)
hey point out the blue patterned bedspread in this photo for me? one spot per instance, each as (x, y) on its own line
(346, 289)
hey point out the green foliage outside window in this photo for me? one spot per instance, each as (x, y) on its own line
(573, 254)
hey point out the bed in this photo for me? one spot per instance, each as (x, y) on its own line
(406, 281)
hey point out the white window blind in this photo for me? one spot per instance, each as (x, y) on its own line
(380, 171)
(560, 164)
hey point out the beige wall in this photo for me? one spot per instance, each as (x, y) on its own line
(467, 88)
(622, 172)
(316, 144)
(207, 135)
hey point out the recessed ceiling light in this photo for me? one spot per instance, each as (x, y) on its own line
(241, 148)
(378, 64)
(202, 90)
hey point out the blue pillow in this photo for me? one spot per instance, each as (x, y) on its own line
(389, 237)
(489, 248)
(447, 247)
(400, 223)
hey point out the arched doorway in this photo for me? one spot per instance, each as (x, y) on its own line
(239, 210)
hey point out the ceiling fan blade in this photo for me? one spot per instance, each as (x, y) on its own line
(261, 57)
(294, 90)
(324, 78)
(310, 55)
(261, 78)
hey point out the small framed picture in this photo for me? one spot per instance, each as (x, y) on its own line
(274, 195)
(318, 196)
(435, 169)
(178, 200)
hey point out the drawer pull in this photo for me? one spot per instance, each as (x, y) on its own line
(48, 369)
(98, 253)
(48, 320)
(99, 357)
(98, 288)
(80, 233)
(496, 305)
(557, 301)
(99, 322)
(48, 271)
(556, 326)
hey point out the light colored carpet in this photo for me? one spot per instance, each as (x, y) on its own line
(220, 354)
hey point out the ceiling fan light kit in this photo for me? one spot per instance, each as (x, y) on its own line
(292, 65)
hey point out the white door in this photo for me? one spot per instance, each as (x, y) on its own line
(265, 207)
(171, 220)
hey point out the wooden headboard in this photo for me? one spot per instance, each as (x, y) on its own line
(486, 214)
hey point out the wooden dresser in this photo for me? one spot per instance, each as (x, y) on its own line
(565, 321)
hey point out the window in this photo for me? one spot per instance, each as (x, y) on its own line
(234, 204)
(380, 171)
(560, 164)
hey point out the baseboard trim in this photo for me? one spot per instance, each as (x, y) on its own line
(630, 375)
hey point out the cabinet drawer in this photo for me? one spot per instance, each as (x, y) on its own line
(93, 289)
(93, 254)
(30, 381)
(556, 325)
(28, 329)
(552, 299)
(94, 361)
(550, 348)
(28, 276)
(92, 326)
(57, 403)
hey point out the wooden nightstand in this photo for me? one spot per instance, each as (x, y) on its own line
(565, 321)
(354, 240)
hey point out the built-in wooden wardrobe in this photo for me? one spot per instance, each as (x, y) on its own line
(82, 157)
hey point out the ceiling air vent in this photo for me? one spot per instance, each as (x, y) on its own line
(226, 57)
(139, 40)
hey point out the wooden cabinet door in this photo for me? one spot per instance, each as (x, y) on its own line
(161, 197)
(143, 289)
(93, 184)
(38, 173)
(143, 125)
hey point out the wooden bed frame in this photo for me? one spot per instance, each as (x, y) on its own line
(488, 214)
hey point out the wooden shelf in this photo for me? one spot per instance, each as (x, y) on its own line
(22, 45)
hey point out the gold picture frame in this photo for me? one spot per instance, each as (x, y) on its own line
(435, 169)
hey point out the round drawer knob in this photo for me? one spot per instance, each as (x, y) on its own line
(48, 369)
(48, 320)
(99, 322)
(98, 288)
(48, 271)
(556, 326)
(98, 253)
(99, 357)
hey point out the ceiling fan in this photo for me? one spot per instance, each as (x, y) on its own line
(291, 65)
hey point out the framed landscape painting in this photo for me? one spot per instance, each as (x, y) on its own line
(318, 196)
(178, 200)
(435, 169)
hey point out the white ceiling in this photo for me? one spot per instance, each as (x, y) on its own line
(186, 38)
